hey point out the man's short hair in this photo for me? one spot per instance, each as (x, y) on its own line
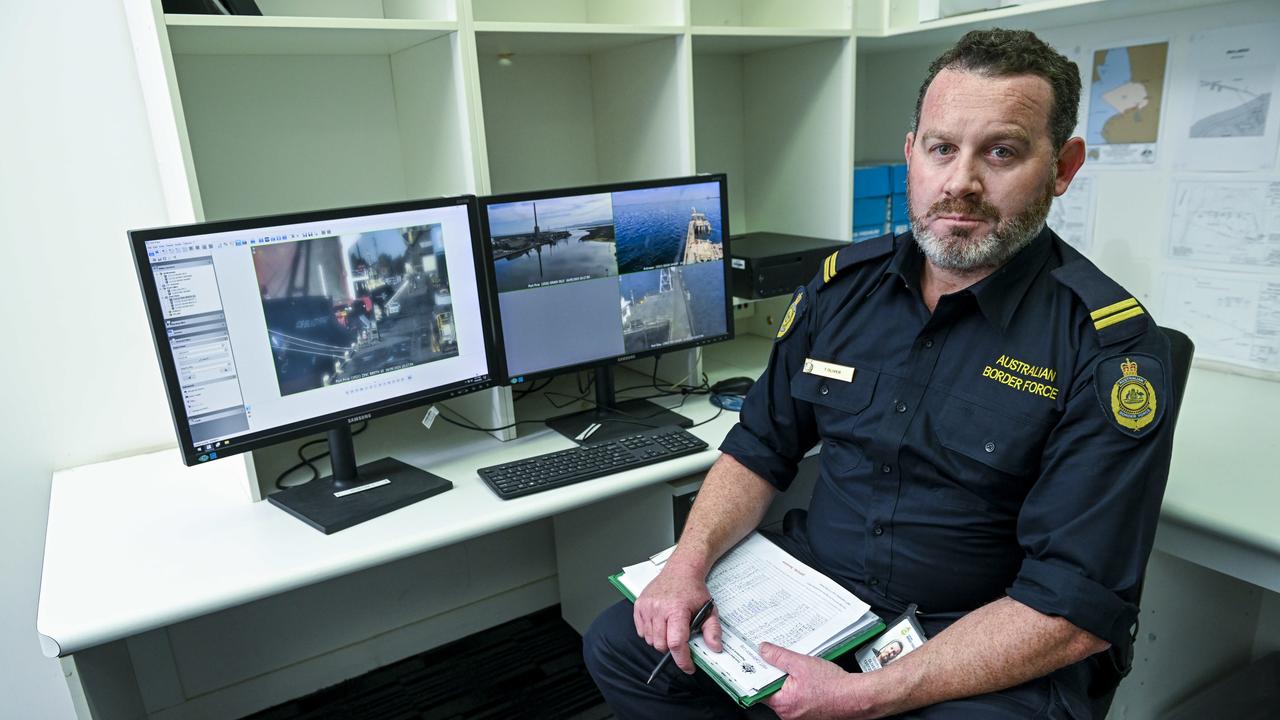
(1005, 53)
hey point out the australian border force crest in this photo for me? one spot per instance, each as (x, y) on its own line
(1131, 390)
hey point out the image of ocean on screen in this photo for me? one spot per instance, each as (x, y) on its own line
(672, 305)
(551, 241)
(651, 224)
(705, 282)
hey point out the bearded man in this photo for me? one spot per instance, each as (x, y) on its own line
(989, 406)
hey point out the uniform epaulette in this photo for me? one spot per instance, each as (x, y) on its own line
(855, 254)
(1116, 314)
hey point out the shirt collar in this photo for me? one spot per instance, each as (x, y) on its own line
(998, 294)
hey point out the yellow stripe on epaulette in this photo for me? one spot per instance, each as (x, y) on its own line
(829, 267)
(1115, 313)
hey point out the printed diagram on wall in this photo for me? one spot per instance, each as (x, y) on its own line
(1232, 318)
(1232, 124)
(1235, 224)
(1232, 103)
(1071, 215)
(1125, 96)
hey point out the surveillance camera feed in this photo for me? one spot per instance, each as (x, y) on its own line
(343, 308)
(280, 324)
(590, 277)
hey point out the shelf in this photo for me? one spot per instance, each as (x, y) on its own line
(403, 9)
(589, 13)
(562, 38)
(278, 35)
(739, 40)
(772, 14)
(902, 32)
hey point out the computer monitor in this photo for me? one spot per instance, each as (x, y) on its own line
(275, 327)
(585, 278)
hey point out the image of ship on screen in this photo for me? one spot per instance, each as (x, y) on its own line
(665, 226)
(342, 308)
(552, 241)
(672, 305)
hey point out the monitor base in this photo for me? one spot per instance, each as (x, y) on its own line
(637, 414)
(388, 484)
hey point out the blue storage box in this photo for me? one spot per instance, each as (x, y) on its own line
(870, 210)
(898, 211)
(899, 179)
(867, 232)
(871, 181)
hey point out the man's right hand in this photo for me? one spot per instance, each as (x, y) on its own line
(665, 609)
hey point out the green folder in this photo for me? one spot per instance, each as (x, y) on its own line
(747, 701)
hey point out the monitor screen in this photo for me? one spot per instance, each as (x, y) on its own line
(276, 326)
(596, 275)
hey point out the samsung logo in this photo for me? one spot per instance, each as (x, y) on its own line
(625, 358)
(358, 418)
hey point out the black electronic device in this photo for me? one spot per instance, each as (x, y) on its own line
(588, 277)
(766, 264)
(212, 7)
(739, 385)
(565, 467)
(271, 328)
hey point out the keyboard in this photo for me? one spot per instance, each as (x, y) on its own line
(565, 467)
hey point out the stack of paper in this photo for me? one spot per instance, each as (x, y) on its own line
(764, 594)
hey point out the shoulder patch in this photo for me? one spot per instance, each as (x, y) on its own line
(1132, 391)
(1116, 315)
(853, 255)
(794, 311)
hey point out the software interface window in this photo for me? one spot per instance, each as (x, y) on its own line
(280, 324)
(586, 277)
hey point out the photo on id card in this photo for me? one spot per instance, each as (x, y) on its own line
(901, 637)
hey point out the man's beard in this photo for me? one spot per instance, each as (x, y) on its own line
(961, 252)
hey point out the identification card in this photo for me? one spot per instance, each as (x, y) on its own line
(828, 370)
(901, 637)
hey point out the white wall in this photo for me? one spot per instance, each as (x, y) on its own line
(78, 379)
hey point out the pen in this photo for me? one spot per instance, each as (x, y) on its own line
(694, 626)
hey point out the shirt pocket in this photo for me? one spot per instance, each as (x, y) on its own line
(989, 459)
(840, 397)
(839, 409)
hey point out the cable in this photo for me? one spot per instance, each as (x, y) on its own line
(719, 411)
(533, 388)
(305, 461)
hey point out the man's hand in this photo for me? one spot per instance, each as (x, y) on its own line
(815, 687)
(665, 609)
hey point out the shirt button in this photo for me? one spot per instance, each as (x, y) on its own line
(900, 407)
(823, 389)
(877, 530)
(886, 469)
(928, 342)
(990, 447)
(873, 582)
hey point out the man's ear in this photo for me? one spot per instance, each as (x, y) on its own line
(1070, 159)
(906, 148)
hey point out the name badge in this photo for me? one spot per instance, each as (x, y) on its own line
(828, 370)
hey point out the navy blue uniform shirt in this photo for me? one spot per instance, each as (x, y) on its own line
(1013, 442)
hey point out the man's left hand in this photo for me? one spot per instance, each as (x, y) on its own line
(814, 689)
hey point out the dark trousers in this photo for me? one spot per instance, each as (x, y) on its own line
(620, 661)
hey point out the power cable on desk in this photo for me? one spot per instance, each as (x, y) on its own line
(305, 461)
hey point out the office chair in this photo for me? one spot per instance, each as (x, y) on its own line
(1114, 665)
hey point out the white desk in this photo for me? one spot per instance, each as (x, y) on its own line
(142, 543)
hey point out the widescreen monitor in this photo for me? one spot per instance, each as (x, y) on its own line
(275, 327)
(589, 277)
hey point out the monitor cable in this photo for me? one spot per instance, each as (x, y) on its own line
(307, 462)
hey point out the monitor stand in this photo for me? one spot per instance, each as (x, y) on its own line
(353, 494)
(613, 419)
